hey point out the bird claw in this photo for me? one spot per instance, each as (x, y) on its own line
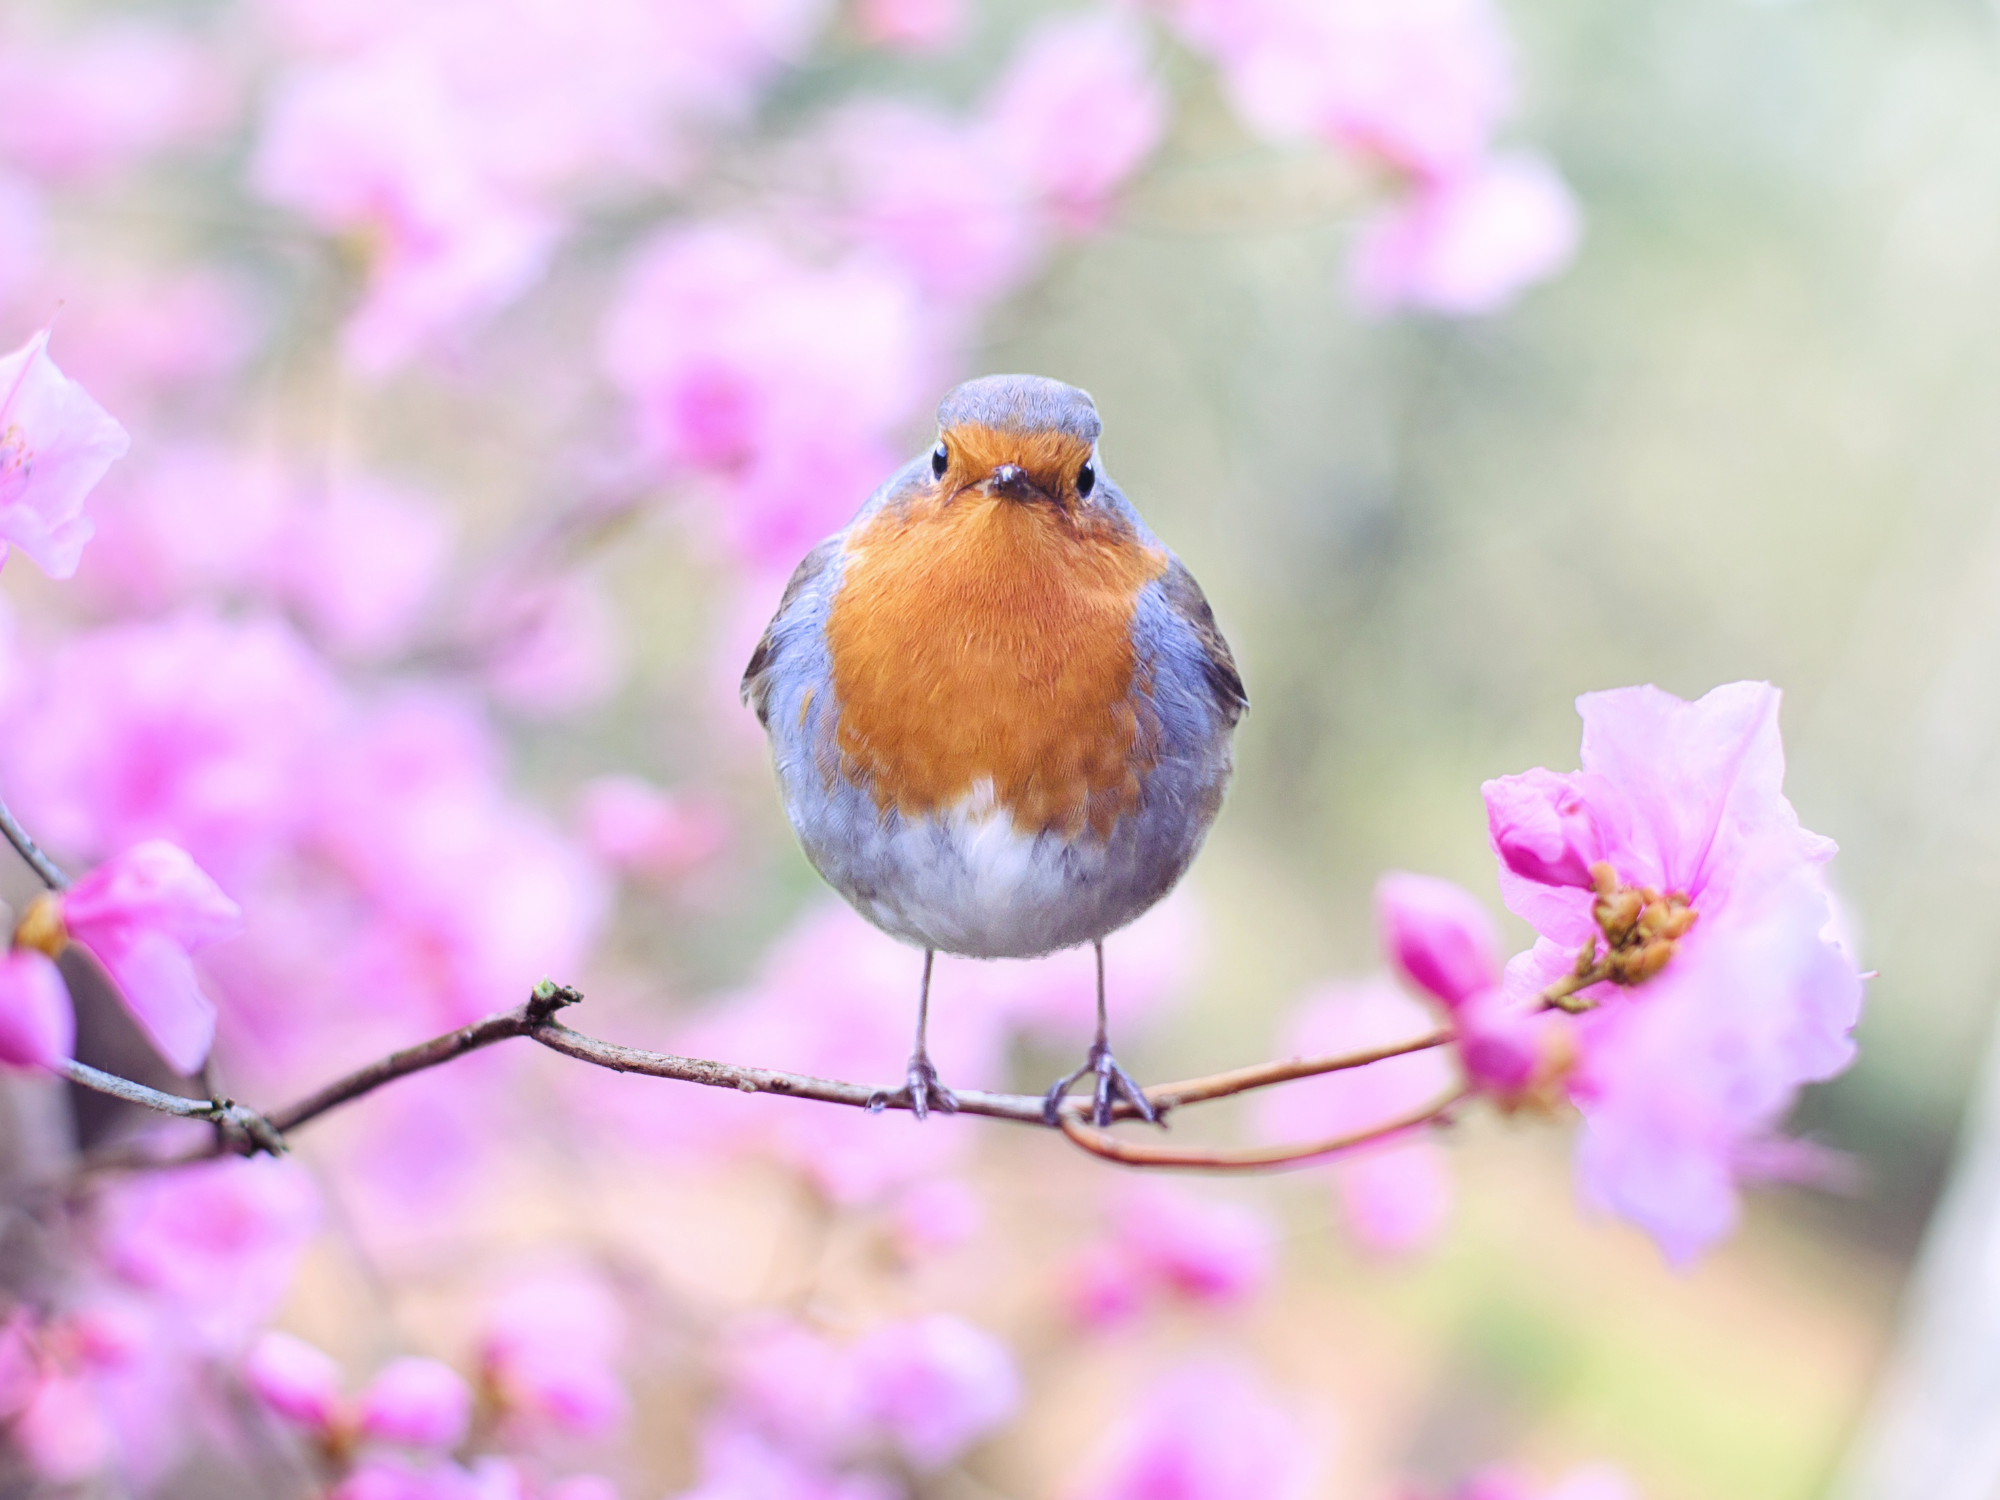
(921, 1094)
(1112, 1084)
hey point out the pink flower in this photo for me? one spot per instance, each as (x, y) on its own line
(217, 1243)
(1420, 84)
(1686, 1074)
(361, 561)
(1077, 112)
(297, 1381)
(1207, 1250)
(1396, 1195)
(191, 729)
(1206, 1431)
(554, 645)
(105, 99)
(55, 444)
(936, 1386)
(550, 1352)
(1437, 935)
(936, 1216)
(141, 914)
(37, 1025)
(795, 1388)
(1467, 245)
(740, 1464)
(63, 1432)
(774, 383)
(638, 829)
(373, 148)
(418, 1403)
(912, 25)
(23, 224)
(472, 896)
(937, 197)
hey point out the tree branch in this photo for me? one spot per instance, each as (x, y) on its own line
(535, 1019)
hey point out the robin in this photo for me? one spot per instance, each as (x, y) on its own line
(999, 707)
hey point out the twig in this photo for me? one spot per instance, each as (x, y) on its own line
(535, 1020)
(238, 1127)
(1250, 1158)
(49, 871)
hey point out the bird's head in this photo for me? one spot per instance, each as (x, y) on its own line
(1020, 438)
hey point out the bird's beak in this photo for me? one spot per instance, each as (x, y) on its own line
(1011, 482)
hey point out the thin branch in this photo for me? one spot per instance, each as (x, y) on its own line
(1251, 1158)
(247, 1131)
(49, 871)
(238, 1129)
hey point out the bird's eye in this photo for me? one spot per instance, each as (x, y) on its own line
(940, 459)
(1086, 479)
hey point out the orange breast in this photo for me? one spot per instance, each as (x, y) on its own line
(986, 639)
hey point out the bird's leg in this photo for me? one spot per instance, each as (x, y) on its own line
(1113, 1082)
(924, 1088)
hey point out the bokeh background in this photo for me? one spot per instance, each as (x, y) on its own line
(1747, 433)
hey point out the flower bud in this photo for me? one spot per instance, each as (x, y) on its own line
(1437, 935)
(1542, 828)
(418, 1402)
(37, 1025)
(297, 1381)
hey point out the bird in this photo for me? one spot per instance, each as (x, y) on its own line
(999, 707)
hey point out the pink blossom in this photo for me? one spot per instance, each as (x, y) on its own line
(638, 829)
(90, 104)
(937, 1215)
(1419, 83)
(37, 1025)
(1103, 1286)
(554, 645)
(474, 896)
(1205, 1431)
(22, 231)
(145, 335)
(936, 1386)
(508, 68)
(417, 1402)
(361, 561)
(63, 1432)
(1437, 935)
(912, 25)
(297, 1381)
(1396, 1196)
(1077, 112)
(1467, 245)
(795, 1388)
(372, 147)
(774, 383)
(581, 1487)
(550, 1352)
(387, 1477)
(1209, 1250)
(217, 1242)
(142, 914)
(937, 196)
(194, 519)
(191, 729)
(1686, 1075)
(55, 444)
(738, 1463)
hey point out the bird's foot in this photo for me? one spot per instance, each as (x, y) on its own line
(923, 1093)
(1113, 1083)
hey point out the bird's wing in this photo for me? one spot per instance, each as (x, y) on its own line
(1218, 668)
(756, 677)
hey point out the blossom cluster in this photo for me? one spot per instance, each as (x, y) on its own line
(289, 721)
